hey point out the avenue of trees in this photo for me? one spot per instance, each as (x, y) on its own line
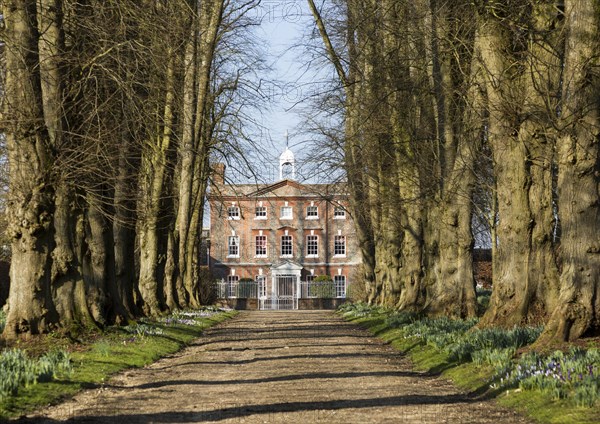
(110, 113)
(452, 105)
(113, 110)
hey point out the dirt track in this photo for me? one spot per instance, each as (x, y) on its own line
(281, 367)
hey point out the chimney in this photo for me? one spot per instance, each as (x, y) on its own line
(219, 174)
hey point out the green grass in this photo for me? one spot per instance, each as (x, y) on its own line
(544, 409)
(434, 351)
(115, 350)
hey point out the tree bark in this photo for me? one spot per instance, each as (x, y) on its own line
(123, 229)
(195, 147)
(578, 150)
(353, 157)
(30, 206)
(522, 80)
(155, 168)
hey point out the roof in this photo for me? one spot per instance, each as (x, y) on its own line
(284, 188)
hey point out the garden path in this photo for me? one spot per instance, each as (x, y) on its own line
(279, 367)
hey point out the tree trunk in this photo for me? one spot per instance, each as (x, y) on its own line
(30, 205)
(412, 246)
(521, 86)
(67, 273)
(155, 168)
(173, 299)
(195, 147)
(358, 195)
(123, 228)
(578, 150)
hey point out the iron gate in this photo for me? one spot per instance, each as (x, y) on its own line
(283, 295)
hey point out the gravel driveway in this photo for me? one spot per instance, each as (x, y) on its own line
(279, 367)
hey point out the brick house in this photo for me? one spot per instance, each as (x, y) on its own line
(268, 242)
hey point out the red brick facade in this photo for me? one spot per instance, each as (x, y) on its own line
(255, 229)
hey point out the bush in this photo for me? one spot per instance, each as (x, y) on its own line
(322, 287)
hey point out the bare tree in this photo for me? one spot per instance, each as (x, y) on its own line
(31, 197)
(522, 59)
(577, 311)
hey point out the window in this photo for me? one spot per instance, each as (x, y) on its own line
(312, 246)
(260, 212)
(233, 212)
(233, 247)
(286, 246)
(261, 247)
(339, 246)
(261, 280)
(339, 281)
(312, 212)
(339, 213)
(232, 285)
(286, 212)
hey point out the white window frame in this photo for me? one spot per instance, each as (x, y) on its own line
(233, 212)
(312, 212)
(285, 216)
(232, 286)
(339, 213)
(312, 241)
(261, 282)
(261, 216)
(338, 247)
(257, 244)
(339, 281)
(291, 246)
(235, 245)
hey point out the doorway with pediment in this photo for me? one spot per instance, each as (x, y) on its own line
(282, 290)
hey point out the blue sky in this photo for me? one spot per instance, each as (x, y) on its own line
(283, 23)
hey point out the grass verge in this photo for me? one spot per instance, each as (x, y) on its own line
(114, 350)
(438, 355)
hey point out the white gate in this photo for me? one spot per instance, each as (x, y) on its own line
(284, 293)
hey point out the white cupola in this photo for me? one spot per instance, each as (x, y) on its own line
(287, 163)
